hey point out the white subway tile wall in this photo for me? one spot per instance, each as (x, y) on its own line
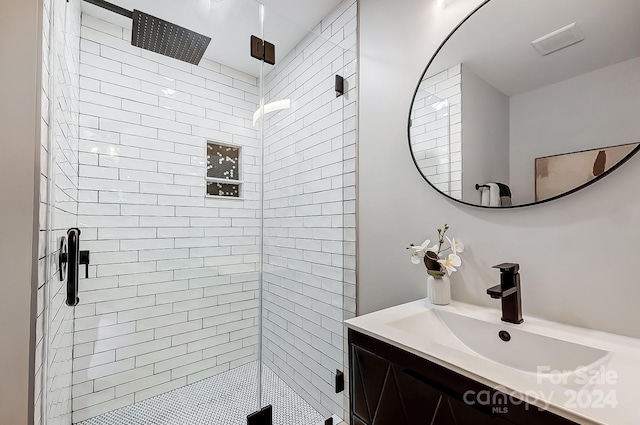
(58, 208)
(310, 212)
(436, 130)
(172, 296)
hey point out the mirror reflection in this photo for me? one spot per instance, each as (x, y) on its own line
(529, 100)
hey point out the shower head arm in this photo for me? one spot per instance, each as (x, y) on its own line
(112, 7)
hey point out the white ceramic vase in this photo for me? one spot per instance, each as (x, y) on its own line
(439, 290)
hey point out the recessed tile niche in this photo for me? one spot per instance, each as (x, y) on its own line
(223, 170)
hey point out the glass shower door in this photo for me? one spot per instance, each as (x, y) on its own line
(167, 329)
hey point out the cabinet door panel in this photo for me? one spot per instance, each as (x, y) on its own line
(357, 421)
(420, 400)
(430, 405)
(391, 409)
(358, 398)
(370, 373)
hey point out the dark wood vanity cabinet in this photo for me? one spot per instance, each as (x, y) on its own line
(390, 386)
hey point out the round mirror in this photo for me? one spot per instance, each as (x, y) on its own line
(529, 100)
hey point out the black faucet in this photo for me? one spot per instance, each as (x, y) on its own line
(509, 292)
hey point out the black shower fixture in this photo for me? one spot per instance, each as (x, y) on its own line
(339, 85)
(160, 36)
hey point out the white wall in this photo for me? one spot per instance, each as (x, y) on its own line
(590, 111)
(309, 211)
(485, 134)
(556, 244)
(20, 60)
(172, 294)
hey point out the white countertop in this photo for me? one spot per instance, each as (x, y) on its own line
(582, 403)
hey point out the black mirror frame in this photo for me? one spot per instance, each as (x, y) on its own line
(562, 195)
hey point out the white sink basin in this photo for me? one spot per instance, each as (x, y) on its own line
(525, 351)
(543, 363)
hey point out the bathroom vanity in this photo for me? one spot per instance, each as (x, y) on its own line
(392, 386)
(460, 364)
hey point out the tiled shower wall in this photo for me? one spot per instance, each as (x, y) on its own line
(310, 211)
(436, 130)
(58, 207)
(172, 296)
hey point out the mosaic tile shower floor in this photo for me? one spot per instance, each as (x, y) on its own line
(224, 399)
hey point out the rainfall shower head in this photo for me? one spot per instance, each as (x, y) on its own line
(168, 39)
(160, 36)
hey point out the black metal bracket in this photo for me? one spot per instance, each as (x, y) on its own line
(84, 259)
(339, 381)
(263, 416)
(263, 50)
(329, 421)
(339, 85)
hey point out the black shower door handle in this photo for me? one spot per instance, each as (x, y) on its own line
(72, 259)
(73, 266)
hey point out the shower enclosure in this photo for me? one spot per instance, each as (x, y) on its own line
(217, 204)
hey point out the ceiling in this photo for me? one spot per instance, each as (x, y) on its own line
(230, 23)
(496, 41)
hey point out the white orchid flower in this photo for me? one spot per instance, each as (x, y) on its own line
(415, 258)
(456, 245)
(419, 251)
(451, 263)
(422, 247)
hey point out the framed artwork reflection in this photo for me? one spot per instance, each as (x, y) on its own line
(559, 174)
